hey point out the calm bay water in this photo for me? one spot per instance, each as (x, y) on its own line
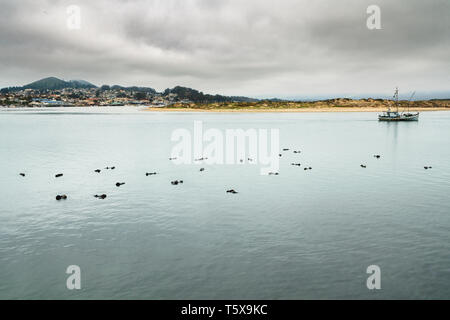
(299, 235)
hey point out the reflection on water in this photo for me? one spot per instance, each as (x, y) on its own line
(302, 234)
(392, 127)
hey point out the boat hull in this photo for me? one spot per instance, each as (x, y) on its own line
(400, 117)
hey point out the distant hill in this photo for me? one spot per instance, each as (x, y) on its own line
(134, 88)
(81, 84)
(53, 83)
(199, 97)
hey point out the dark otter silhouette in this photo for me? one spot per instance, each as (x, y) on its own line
(150, 174)
(202, 169)
(61, 197)
(426, 168)
(377, 156)
(296, 164)
(285, 149)
(172, 158)
(118, 184)
(232, 191)
(176, 182)
(363, 166)
(103, 196)
(22, 174)
(295, 151)
(273, 173)
(98, 170)
(58, 175)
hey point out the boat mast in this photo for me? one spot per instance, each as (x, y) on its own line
(411, 99)
(396, 98)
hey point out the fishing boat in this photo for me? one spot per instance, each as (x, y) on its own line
(390, 115)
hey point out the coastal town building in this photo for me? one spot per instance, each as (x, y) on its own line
(85, 97)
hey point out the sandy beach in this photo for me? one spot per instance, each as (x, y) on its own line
(284, 110)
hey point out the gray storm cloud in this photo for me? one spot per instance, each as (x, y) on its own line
(255, 48)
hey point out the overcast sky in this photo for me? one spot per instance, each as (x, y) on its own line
(281, 48)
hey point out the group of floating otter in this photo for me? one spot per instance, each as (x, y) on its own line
(177, 182)
(102, 196)
(375, 156)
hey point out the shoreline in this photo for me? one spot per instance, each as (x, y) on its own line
(233, 110)
(282, 110)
